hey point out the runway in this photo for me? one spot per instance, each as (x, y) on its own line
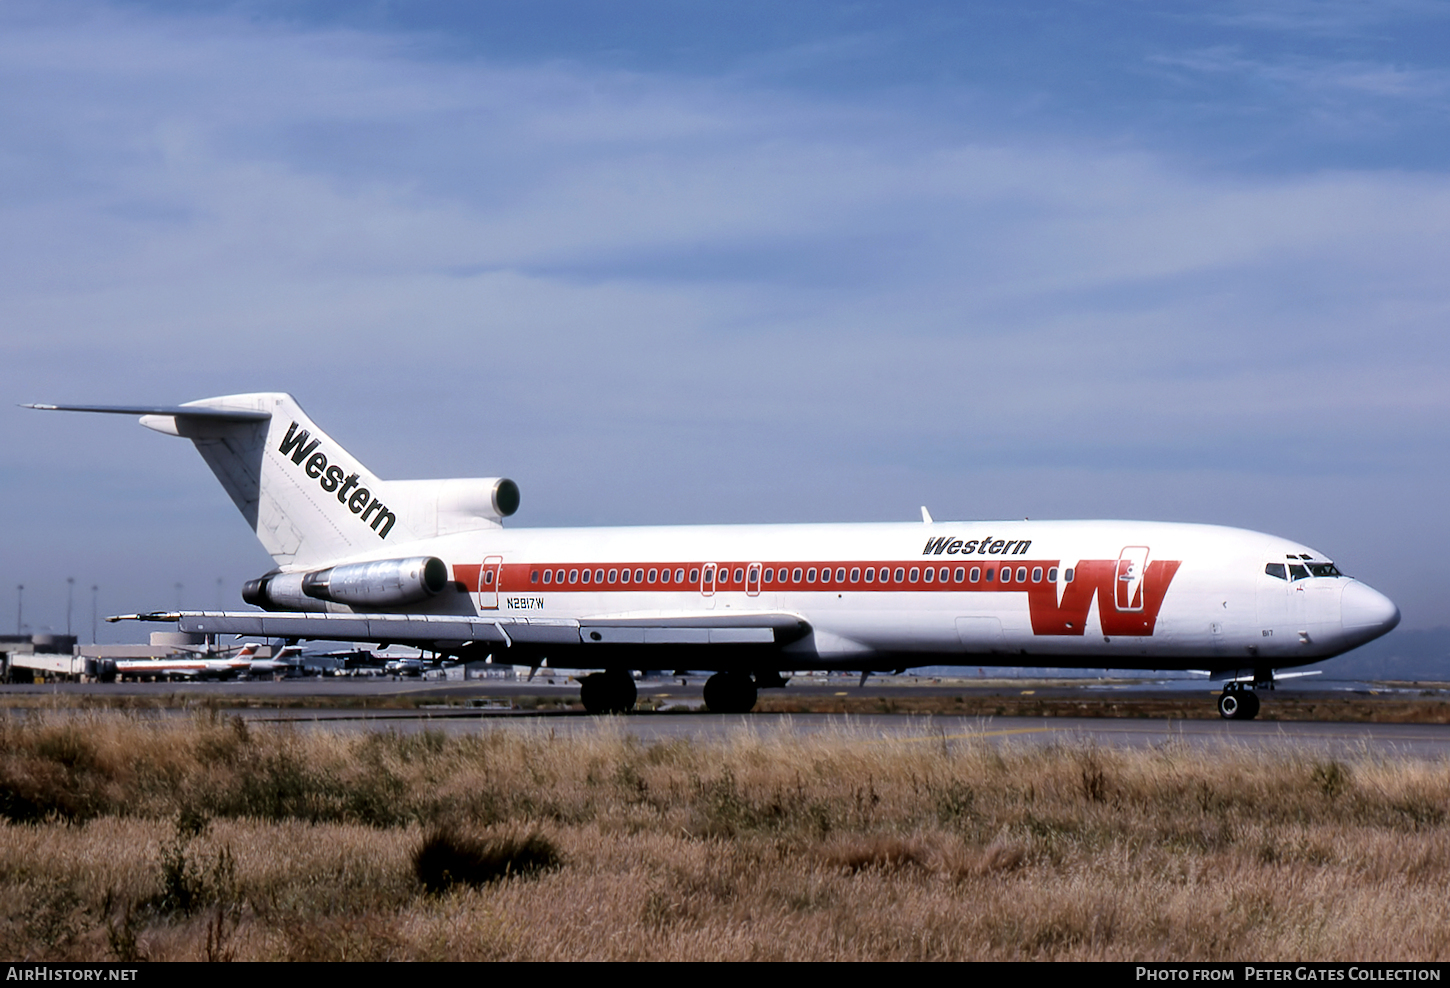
(443, 706)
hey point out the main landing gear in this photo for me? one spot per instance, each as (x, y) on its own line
(730, 693)
(1238, 702)
(611, 692)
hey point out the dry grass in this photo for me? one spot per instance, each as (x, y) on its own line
(133, 839)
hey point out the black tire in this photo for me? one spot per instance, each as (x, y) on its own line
(623, 692)
(594, 693)
(1230, 706)
(1250, 704)
(608, 692)
(730, 693)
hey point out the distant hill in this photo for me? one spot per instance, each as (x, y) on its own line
(1423, 655)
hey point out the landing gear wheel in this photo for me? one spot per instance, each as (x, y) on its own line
(730, 693)
(1238, 705)
(1250, 706)
(608, 692)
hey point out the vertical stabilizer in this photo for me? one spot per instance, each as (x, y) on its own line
(308, 500)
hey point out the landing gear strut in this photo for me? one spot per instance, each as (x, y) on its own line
(610, 692)
(730, 693)
(1238, 702)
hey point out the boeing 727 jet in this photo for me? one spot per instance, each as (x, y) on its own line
(428, 563)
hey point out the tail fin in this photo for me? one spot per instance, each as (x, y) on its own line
(309, 501)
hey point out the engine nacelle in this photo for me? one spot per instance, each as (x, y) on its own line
(384, 583)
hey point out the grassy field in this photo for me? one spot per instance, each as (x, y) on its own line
(210, 839)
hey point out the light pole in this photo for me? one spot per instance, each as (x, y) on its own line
(94, 590)
(70, 598)
(19, 608)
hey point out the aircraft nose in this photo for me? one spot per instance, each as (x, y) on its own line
(1364, 609)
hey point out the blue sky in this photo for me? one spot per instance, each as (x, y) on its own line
(693, 262)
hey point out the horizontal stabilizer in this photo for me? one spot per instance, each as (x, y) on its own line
(190, 411)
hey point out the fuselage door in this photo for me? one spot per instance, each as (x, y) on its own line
(488, 575)
(1128, 582)
(752, 580)
(707, 580)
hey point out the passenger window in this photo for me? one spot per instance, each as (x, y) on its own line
(900, 574)
(795, 575)
(694, 575)
(1021, 574)
(558, 576)
(1067, 575)
(1037, 574)
(739, 574)
(573, 576)
(929, 576)
(1006, 574)
(548, 576)
(680, 575)
(943, 574)
(1052, 575)
(811, 575)
(639, 576)
(1276, 570)
(976, 573)
(991, 574)
(584, 577)
(855, 574)
(960, 574)
(613, 575)
(769, 574)
(653, 575)
(870, 574)
(533, 576)
(915, 574)
(840, 574)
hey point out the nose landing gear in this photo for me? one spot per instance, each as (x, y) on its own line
(1238, 702)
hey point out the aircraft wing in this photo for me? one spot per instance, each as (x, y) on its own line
(706, 628)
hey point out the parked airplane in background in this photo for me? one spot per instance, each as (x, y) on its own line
(428, 563)
(202, 664)
(287, 662)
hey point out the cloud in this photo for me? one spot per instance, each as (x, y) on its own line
(658, 297)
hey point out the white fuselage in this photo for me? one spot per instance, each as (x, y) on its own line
(1087, 593)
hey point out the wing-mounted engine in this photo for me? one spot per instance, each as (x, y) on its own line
(381, 584)
(444, 507)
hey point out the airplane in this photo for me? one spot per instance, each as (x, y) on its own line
(286, 663)
(429, 564)
(202, 665)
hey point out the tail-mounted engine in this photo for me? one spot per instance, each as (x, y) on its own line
(382, 584)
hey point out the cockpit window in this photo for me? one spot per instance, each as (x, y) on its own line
(1276, 570)
(1297, 572)
(1324, 569)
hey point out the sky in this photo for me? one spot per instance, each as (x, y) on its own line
(689, 262)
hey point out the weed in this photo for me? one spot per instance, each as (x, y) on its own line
(449, 857)
(1330, 778)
